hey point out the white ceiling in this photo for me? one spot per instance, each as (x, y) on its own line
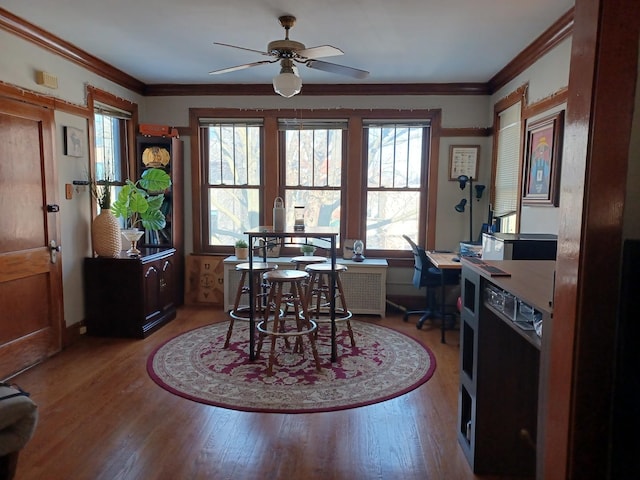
(397, 41)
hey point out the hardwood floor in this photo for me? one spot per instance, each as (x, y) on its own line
(102, 417)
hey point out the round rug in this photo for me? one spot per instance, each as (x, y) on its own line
(383, 365)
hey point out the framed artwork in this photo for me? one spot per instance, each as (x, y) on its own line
(463, 160)
(73, 144)
(541, 181)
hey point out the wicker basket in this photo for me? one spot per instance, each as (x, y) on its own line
(105, 235)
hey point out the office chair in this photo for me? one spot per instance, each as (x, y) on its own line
(427, 276)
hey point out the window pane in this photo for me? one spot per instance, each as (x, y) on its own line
(321, 207)
(233, 170)
(395, 185)
(389, 216)
(394, 156)
(232, 211)
(234, 153)
(109, 147)
(313, 163)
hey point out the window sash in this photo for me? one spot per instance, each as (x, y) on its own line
(507, 161)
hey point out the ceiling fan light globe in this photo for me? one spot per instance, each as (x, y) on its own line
(287, 84)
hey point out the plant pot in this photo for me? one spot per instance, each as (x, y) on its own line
(105, 235)
(309, 253)
(242, 253)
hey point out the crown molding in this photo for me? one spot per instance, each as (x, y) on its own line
(319, 89)
(36, 35)
(561, 29)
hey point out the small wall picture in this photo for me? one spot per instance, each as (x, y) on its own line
(542, 161)
(463, 160)
(73, 143)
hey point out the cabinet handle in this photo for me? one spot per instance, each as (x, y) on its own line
(163, 284)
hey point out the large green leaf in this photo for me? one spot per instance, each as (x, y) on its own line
(155, 180)
(153, 220)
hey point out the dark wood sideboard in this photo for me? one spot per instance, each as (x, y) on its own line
(502, 366)
(130, 296)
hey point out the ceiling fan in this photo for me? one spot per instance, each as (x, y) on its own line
(289, 52)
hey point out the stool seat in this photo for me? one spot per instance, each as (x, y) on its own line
(302, 261)
(256, 266)
(285, 275)
(325, 267)
(274, 315)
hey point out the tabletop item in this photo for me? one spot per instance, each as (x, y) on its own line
(278, 214)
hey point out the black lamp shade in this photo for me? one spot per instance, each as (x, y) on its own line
(460, 206)
(463, 179)
(479, 191)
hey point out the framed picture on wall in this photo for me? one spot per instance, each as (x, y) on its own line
(463, 160)
(73, 144)
(541, 181)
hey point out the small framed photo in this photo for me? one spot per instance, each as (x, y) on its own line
(73, 143)
(541, 181)
(463, 160)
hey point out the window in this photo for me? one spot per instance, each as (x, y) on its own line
(396, 184)
(111, 128)
(507, 168)
(232, 165)
(313, 154)
(362, 172)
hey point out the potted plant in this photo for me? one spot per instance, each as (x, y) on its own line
(308, 249)
(140, 205)
(242, 249)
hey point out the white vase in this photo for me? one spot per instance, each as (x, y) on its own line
(105, 235)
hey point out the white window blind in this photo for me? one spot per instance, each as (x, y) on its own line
(508, 162)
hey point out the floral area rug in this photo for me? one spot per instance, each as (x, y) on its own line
(383, 365)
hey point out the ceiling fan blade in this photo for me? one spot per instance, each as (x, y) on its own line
(242, 48)
(241, 67)
(320, 51)
(335, 68)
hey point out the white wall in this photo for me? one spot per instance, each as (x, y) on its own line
(75, 217)
(546, 77)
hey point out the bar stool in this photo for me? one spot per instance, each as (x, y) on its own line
(292, 295)
(260, 289)
(319, 297)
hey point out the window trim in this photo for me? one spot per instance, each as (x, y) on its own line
(95, 95)
(352, 224)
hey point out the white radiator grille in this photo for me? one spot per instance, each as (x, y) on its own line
(364, 287)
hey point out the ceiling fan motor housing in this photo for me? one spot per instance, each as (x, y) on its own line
(284, 48)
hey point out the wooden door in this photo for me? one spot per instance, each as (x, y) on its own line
(30, 282)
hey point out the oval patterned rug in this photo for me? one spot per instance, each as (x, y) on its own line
(383, 365)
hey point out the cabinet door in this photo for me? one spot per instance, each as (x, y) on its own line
(152, 292)
(168, 284)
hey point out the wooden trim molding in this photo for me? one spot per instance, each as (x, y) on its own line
(40, 37)
(560, 30)
(466, 132)
(317, 89)
(547, 103)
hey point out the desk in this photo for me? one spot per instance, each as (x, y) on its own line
(443, 261)
(327, 235)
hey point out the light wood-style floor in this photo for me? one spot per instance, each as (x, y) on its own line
(103, 418)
